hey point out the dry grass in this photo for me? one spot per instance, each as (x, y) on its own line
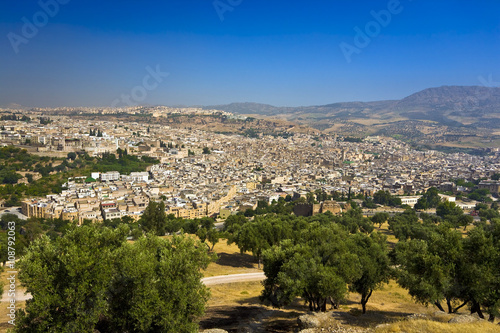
(233, 294)
(430, 326)
(384, 229)
(230, 261)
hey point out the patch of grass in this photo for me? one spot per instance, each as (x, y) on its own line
(230, 261)
(384, 229)
(429, 326)
(232, 294)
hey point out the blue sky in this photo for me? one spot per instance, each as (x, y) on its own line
(285, 53)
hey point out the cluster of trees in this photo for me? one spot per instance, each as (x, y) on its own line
(251, 133)
(430, 199)
(487, 212)
(282, 206)
(352, 139)
(384, 198)
(482, 195)
(15, 117)
(44, 120)
(321, 258)
(124, 163)
(437, 264)
(155, 220)
(95, 132)
(318, 258)
(93, 279)
(13, 160)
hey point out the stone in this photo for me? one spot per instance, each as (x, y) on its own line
(460, 319)
(308, 321)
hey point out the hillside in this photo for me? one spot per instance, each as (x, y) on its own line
(463, 116)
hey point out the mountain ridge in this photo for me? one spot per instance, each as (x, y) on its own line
(445, 98)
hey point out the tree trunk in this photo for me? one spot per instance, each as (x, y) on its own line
(480, 313)
(335, 305)
(476, 308)
(459, 307)
(323, 306)
(450, 307)
(438, 305)
(491, 318)
(364, 300)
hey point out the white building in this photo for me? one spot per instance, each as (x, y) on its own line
(110, 176)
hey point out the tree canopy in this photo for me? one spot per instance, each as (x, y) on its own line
(92, 278)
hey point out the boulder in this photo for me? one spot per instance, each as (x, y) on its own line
(308, 321)
(460, 319)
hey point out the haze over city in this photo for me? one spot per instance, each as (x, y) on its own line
(90, 53)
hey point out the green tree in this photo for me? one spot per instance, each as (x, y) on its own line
(448, 208)
(154, 218)
(386, 199)
(428, 267)
(208, 233)
(93, 279)
(261, 234)
(430, 199)
(372, 253)
(380, 218)
(481, 268)
(68, 280)
(206, 150)
(317, 267)
(156, 286)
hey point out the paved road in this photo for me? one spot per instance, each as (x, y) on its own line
(223, 279)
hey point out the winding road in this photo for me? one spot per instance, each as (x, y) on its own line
(233, 278)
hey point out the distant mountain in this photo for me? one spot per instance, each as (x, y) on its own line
(252, 108)
(14, 106)
(444, 105)
(452, 98)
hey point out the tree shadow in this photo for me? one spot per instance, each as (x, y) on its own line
(235, 318)
(236, 260)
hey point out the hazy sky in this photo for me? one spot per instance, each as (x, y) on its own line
(285, 53)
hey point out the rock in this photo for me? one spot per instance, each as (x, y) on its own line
(440, 313)
(308, 321)
(416, 316)
(382, 326)
(214, 330)
(308, 330)
(463, 319)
